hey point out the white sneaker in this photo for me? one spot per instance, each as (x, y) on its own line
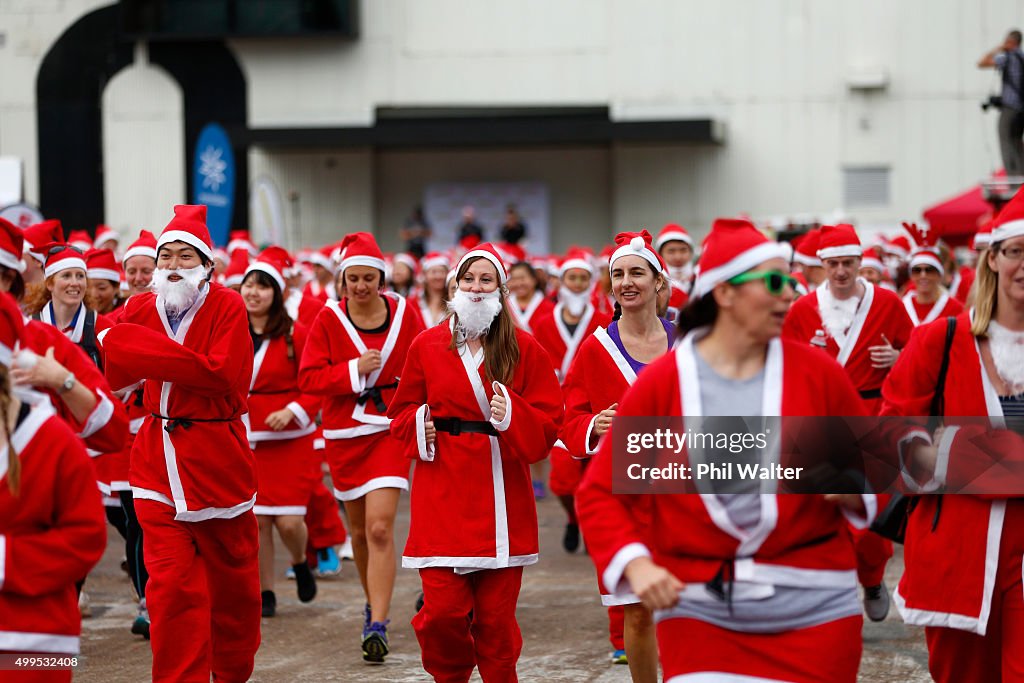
(345, 552)
(84, 605)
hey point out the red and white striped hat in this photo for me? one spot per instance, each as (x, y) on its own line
(105, 233)
(102, 265)
(872, 258)
(360, 249)
(47, 232)
(672, 232)
(806, 252)
(575, 258)
(636, 244)
(11, 246)
(188, 226)
(145, 245)
(733, 247)
(487, 251)
(64, 257)
(838, 241)
(275, 262)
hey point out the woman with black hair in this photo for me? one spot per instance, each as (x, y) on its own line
(528, 303)
(279, 424)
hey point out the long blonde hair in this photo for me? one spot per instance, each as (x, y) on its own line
(986, 282)
(501, 348)
(13, 462)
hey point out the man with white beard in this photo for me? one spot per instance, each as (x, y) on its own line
(863, 327)
(561, 334)
(193, 475)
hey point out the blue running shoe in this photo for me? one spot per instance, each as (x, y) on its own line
(375, 642)
(619, 657)
(327, 562)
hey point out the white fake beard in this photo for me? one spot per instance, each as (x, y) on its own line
(1008, 354)
(682, 273)
(576, 303)
(475, 312)
(838, 317)
(178, 296)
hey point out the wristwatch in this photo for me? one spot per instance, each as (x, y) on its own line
(68, 384)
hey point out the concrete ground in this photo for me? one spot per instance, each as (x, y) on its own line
(564, 626)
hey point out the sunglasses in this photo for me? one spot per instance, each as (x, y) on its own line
(63, 247)
(923, 270)
(775, 281)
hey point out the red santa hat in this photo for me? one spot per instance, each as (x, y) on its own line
(105, 233)
(511, 253)
(575, 258)
(806, 252)
(275, 262)
(925, 252)
(47, 232)
(360, 249)
(605, 257)
(1010, 221)
(239, 239)
(672, 233)
(80, 239)
(838, 241)
(487, 251)
(62, 257)
(873, 259)
(188, 226)
(221, 255)
(11, 246)
(636, 244)
(983, 237)
(12, 323)
(898, 246)
(408, 259)
(322, 257)
(436, 259)
(733, 247)
(237, 266)
(101, 264)
(145, 245)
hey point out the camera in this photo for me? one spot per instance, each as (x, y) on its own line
(992, 101)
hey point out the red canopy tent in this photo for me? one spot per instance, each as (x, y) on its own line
(956, 219)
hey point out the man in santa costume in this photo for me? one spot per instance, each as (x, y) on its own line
(863, 327)
(192, 473)
(806, 261)
(677, 250)
(321, 287)
(52, 527)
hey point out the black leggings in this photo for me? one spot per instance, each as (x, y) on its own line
(133, 544)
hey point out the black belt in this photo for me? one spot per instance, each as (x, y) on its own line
(456, 426)
(870, 393)
(186, 422)
(373, 393)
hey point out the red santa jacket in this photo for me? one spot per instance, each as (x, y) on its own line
(105, 429)
(472, 497)
(330, 368)
(537, 308)
(301, 308)
(196, 383)
(677, 301)
(950, 570)
(880, 313)
(598, 378)
(921, 314)
(321, 293)
(799, 540)
(275, 385)
(51, 535)
(552, 334)
(961, 284)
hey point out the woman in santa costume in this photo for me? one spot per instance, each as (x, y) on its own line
(402, 275)
(928, 300)
(962, 577)
(748, 587)
(104, 277)
(433, 300)
(353, 358)
(528, 301)
(607, 364)
(478, 404)
(52, 528)
(571, 322)
(193, 474)
(279, 424)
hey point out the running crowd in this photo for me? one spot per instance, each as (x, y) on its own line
(195, 399)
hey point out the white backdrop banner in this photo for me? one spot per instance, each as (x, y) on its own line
(443, 204)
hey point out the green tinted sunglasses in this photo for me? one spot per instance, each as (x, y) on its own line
(774, 280)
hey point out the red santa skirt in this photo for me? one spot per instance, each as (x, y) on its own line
(828, 652)
(566, 472)
(364, 463)
(285, 476)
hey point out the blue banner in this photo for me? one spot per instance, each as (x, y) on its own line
(213, 181)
